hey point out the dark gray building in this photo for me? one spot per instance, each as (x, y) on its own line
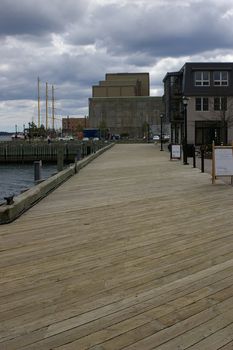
(209, 88)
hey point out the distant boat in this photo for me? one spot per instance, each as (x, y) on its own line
(18, 136)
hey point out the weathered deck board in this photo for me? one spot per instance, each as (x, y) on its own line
(135, 252)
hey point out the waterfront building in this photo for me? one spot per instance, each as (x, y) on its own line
(123, 105)
(209, 89)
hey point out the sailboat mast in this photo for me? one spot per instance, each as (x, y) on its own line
(53, 117)
(46, 107)
(38, 88)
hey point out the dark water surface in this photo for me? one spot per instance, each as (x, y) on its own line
(15, 178)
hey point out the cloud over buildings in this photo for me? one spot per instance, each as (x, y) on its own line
(72, 44)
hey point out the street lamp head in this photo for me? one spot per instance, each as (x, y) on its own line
(185, 100)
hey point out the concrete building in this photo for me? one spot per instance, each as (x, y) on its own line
(122, 84)
(209, 88)
(122, 104)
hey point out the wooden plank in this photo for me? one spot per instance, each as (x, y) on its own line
(123, 255)
(217, 340)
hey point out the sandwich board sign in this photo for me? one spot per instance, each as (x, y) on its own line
(175, 152)
(222, 161)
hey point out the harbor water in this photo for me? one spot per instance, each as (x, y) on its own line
(16, 178)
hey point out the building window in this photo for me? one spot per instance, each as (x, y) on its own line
(202, 78)
(220, 78)
(220, 103)
(202, 104)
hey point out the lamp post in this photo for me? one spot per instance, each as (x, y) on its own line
(161, 131)
(185, 156)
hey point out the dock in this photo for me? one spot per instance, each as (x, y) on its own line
(134, 252)
(30, 151)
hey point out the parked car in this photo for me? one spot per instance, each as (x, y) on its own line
(66, 138)
(166, 137)
(86, 139)
(115, 137)
(156, 138)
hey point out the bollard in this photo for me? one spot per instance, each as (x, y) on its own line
(194, 156)
(9, 199)
(202, 160)
(170, 150)
(60, 159)
(37, 170)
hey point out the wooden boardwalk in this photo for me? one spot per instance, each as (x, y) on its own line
(135, 253)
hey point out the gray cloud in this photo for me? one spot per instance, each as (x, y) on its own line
(72, 44)
(38, 17)
(175, 30)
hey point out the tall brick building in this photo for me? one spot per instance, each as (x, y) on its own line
(72, 126)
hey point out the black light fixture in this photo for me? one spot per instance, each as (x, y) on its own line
(161, 131)
(185, 155)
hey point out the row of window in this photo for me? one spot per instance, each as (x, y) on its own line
(220, 78)
(202, 103)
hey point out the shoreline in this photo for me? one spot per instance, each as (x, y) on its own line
(24, 201)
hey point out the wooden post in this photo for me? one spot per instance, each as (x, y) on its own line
(37, 170)
(60, 158)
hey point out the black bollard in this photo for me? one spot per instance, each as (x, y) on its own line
(202, 160)
(194, 156)
(9, 199)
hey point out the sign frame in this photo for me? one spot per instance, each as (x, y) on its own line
(222, 161)
(175, 151)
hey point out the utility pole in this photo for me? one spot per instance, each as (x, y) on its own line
(38, 87)
(53, 116)
(46, 107)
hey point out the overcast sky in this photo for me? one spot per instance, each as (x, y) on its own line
(73, 43)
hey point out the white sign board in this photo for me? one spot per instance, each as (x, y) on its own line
(224, 162)
(176, 152)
